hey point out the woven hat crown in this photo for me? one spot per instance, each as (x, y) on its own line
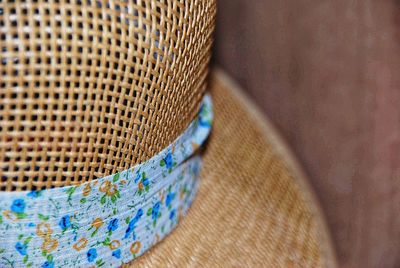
(89, 88)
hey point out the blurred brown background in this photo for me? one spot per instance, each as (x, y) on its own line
(327, 74)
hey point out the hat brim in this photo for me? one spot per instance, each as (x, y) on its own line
(254, 207)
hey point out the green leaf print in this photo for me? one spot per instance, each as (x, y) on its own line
(116, 177)
(70, 191)
(149, 211)
(100, 263)
(106, 242)
(103, 199)
(43, 217)
(27, 240)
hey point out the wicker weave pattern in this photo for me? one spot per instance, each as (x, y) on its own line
(267, 218)
(89, 88)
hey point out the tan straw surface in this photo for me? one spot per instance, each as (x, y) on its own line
(88, 88)
(254, 207)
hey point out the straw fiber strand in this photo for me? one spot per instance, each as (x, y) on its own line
(251, 209)
(89, 88)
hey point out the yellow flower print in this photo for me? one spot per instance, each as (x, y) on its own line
(49, 244)
(112, 190)
(195, 146)
(140, 185)
(97, 223)
(162, 195)
(105, 187)
(182, 194)
(86, 190)
(9, 215)
(135, 247)
(82, 243)
(114, 244)
(43, 229)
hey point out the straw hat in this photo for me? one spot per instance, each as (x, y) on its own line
(90, 89)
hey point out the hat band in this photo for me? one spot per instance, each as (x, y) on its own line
(108, 221)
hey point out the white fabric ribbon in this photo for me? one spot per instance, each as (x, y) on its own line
(108, 221)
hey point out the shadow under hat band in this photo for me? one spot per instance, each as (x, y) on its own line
(108, 221)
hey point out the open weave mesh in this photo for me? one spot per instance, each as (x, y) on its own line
(89, 88)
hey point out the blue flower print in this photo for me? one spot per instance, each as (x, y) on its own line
(172, 214)
(18, 206)
(168, 161)
(132, 223)
(137, 178)
(113, 225)
(156, 209)
(48, 264)
(204, 120)
(117, 253)
(34, 194)
(154, 212)
(65, 222)
(204, 123)
(146, 182)
(91, 254)
(169, 198)
(21, 248)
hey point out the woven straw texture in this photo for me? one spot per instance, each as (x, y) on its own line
(253, 208)
(89, 88)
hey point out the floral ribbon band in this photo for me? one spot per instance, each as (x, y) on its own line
(109, 221)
